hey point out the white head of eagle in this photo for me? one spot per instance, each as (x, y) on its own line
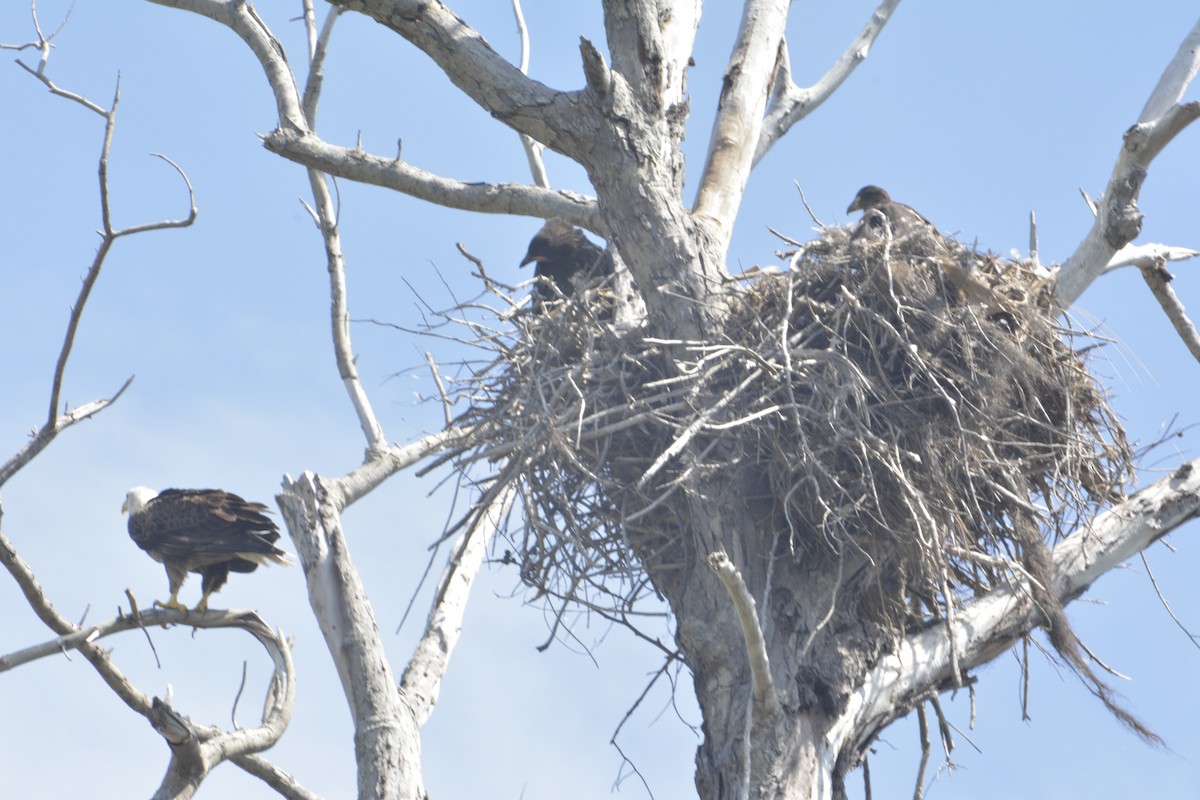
(208, 531)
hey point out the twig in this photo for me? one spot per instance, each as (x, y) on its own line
(237, 697)
(629, 714)
(392, 173)
(46, 434)
(56, 422)
(926, 748)
(317, 51)
(944, 731)
(273, 776)
(423, 677)
(833, 596)
(1158, 279)
(1033, 241)
(1025, 678)
(533, 148)
(804, 200)
(1162, 599)
(695, 427)
(792, 104)
(437, 379)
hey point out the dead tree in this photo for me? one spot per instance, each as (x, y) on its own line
(853, 481)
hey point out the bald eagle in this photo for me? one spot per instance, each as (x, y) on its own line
(208, 531)
(903, 219)
(567, 261)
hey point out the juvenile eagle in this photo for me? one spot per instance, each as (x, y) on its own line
(903, 219)
(567, 261)
(208, 531)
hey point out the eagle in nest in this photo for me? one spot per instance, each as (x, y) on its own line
(903, 219)
(567, 262)
(208, 531)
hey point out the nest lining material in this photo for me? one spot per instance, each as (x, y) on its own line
(911, 399)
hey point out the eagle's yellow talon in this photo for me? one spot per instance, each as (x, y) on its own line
(172, 604)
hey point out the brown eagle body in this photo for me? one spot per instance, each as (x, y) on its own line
(567, 261)
(208, 531)
(903, 219)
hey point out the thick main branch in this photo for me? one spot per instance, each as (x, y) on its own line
(996, 621)
(740, 111)
(479, 71)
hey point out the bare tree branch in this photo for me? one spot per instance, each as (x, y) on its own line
(491, 198)
(46, 433)
(790, 103)
(1175, 80)
(1119, 221)
(1159, 281)
(339, 314)
(97, 657)
(346, 490)
(426, 669)
(387, 738)
(482, 74)
(765, 698)
(210, 746)
(207, 746)
(273, 776)
(242, 19)
(995, 622)
(325, 215)
(1144, 255)
(56, 422)
(533, 150)
(42, 45)
(740, 110)
(318, 50)
(465, 50)
(195, 749)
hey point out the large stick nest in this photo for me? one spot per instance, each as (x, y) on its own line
(912, 399)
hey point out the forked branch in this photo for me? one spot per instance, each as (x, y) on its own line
(791, 103)
(386, 742)
(206, 747)
(56, 421)
(1118, 220)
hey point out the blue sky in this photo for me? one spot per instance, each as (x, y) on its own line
(973, 113)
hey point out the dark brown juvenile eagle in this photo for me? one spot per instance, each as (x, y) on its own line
(208, 531)
(903, 219)
(567, 261)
